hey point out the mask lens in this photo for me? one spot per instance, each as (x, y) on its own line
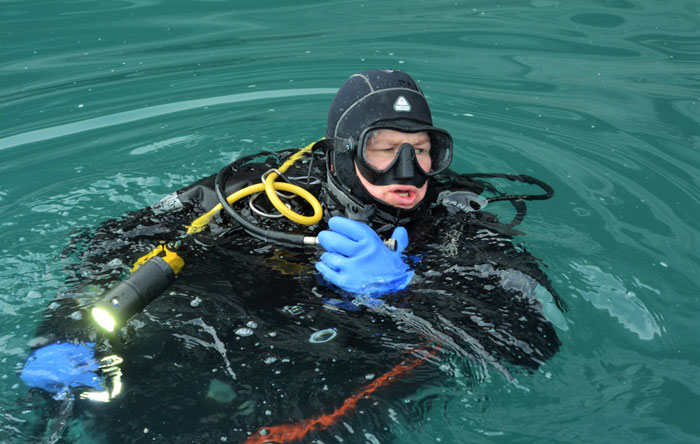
(440, 151)
(379, 149)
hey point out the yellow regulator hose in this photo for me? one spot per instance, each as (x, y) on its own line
(270, 186)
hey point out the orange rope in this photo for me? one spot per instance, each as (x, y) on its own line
(286, 433)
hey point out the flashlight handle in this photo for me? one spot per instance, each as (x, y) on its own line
(132, 295)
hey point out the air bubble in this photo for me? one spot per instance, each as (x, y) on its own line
(243, 332)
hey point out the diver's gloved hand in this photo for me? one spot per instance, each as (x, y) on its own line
(357, 260)
(59, 367)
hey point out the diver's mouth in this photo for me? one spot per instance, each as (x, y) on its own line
(405, 197)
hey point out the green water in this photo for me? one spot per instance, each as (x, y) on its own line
(106, 107)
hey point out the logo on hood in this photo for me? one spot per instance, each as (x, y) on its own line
(402, 105)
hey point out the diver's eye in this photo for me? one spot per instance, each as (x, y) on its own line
(382, 150)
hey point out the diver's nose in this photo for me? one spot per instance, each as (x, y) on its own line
(406, 162)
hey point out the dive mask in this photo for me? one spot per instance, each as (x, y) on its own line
(383, 158)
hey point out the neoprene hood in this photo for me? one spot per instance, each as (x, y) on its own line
(373, 96)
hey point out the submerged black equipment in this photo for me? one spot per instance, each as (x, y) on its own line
(155, 271)
(277, 237)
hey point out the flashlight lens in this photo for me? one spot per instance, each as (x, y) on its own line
(103, 319)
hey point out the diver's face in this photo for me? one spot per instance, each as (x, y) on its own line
(384, 146)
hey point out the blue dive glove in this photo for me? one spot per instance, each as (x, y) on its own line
(59, 367)
(357, 261)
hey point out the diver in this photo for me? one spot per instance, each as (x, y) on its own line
(401, 260)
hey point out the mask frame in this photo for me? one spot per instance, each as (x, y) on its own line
(404, 168)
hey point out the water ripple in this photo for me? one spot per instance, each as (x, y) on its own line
(150, 112)
(606, 292)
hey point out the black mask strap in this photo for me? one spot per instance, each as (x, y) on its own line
(524, 178)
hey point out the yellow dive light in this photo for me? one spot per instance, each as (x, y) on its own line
(132, 295)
